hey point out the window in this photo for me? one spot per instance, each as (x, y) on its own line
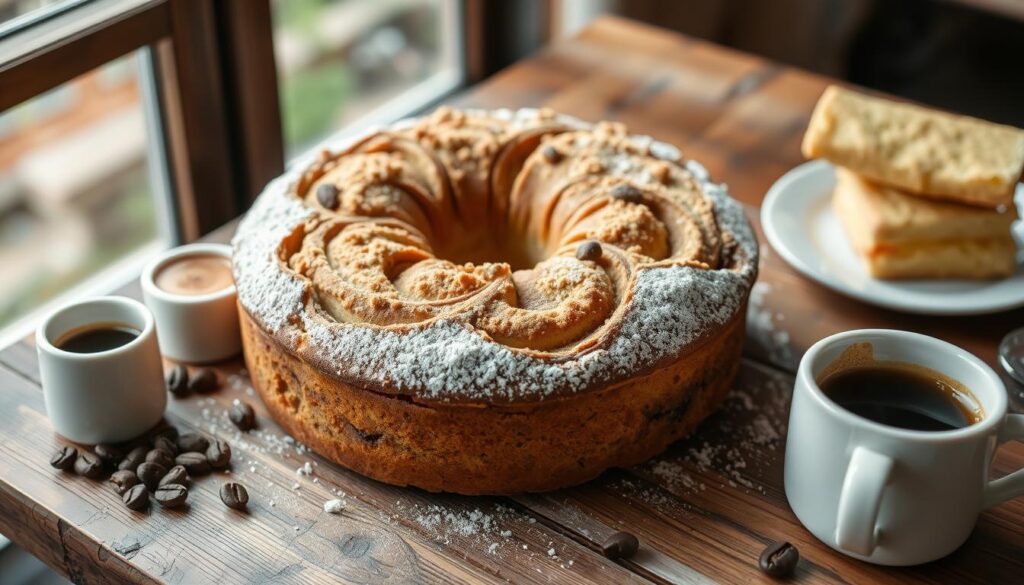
(339, 61)
(78, 187)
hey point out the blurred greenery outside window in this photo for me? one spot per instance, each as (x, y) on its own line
(76, 193)
(341, 60)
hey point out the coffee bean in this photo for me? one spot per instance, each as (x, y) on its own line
(167, 445)
(124, 480)
(133, 459)
(88, 465)
(64, 458)
(551, 154)
(620, 545)
(194, 463)
(234, 496)
(177, 380)
(242, 415)
(108, 454)
(589, 250)
(165, 430)
(161, 457)
(779, 559)
(171, 495)
(150, 474)
(627, 193)
(218, 454)
(192, 442)
(176, 474)
(327, 195)
(203, 380)
(136, 498)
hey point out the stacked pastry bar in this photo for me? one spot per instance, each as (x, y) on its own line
(920, 193)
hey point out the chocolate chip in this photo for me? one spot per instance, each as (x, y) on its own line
(167, 445)
(177, 380)
(192, 442)
(124, 480)
(327, 195)
(620, 545)
(589, 250)
(136, 498)
(627, 193)
(88, 465)
(64, 458)
(193, 462)
(242, 415)
(177, 474)
(161, 457)
(133, 459)
(108, 454)
(551, 154)
(779, 559)
(150, 474)
(171, 495)
(203, 380)
(218, 454)
(234, 496)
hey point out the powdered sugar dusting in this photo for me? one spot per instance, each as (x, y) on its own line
(445, 360)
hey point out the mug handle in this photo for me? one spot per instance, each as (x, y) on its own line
(1010, 485)
(860, 500)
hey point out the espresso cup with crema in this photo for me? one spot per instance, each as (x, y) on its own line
(886, 494)
(191, 291)
(100, 368)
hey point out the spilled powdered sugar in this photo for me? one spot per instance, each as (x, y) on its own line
(443, 359)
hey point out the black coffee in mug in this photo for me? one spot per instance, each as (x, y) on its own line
(97, 337)
(903, 395)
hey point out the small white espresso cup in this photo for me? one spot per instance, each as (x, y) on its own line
(197, 328)
(107, 396)
(884, 494)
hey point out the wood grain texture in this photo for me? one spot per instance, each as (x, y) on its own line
(702, 511)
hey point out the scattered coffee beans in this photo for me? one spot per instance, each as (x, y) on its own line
(202, 381)
(64, 458)
(171, 495)
(242, 415)
(620, 545)
(177, 380)
(124, 480)
(88, 465)
(133, 459)
(627, 193)
(108, 454)
(150, 474)
(218, 454)
(234, 496)
(165, 459)
(779, 559)
(589, 250)
(167, 445)
(327, 195)
(164, 430)
(192, 442)
(176, 474)
(136, 498)
(194, 463)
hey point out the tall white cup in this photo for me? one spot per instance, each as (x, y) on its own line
(889, 495)
(107, 396)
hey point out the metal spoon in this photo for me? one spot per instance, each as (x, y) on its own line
(1011, 357)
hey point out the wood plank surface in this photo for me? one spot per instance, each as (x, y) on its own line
(703, 510)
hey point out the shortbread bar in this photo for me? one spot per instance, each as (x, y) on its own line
(903, 236)
(918, 150)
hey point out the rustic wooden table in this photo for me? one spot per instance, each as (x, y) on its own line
(703, 511)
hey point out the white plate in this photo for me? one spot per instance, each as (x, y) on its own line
(800, 225)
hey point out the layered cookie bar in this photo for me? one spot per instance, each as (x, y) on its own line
(903, 236)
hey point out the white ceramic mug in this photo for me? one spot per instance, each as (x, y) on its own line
(885, 494)
(193, 328)
(107, 396)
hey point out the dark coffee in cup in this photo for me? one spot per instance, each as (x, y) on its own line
(97, 337)
(898, 394)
